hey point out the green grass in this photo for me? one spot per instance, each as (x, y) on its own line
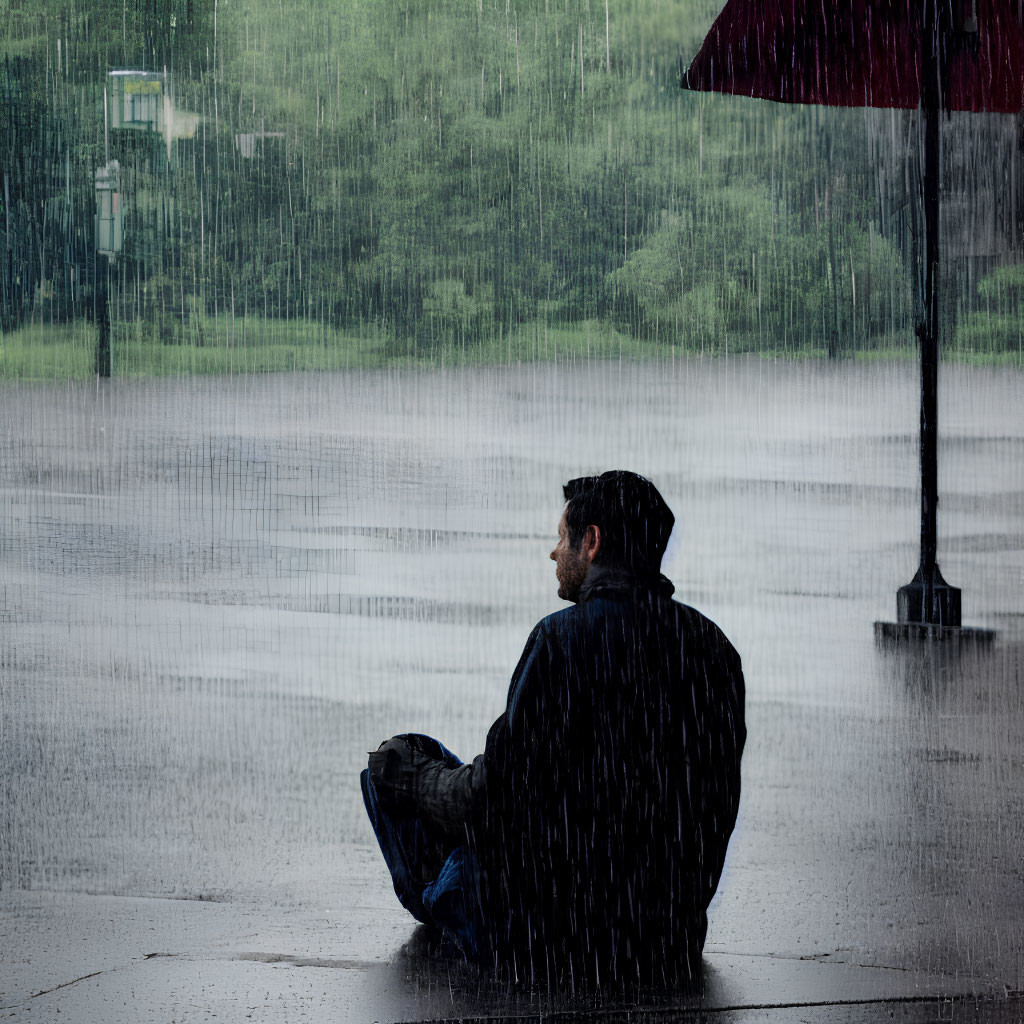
(995, 337)
(252, 345)
(216, 345)
(970, 358)
(48, 352)
(226, 345)
(538, 343)
(67, 351)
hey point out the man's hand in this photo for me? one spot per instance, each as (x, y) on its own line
(410, 781)
(393, 771)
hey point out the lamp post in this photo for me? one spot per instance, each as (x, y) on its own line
(108, 231)
(109, 241)
(138, 104)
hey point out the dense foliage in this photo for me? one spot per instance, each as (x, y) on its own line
(443, 173)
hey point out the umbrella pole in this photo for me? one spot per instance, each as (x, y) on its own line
(928, 599)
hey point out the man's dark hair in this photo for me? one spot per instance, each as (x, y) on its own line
(632, 516)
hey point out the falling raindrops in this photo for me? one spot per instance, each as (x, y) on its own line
(308, 311)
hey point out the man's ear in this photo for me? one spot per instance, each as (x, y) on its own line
(591, 542)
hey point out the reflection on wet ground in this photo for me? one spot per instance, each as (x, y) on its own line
(216, 595)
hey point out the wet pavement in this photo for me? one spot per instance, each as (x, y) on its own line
(216, 595)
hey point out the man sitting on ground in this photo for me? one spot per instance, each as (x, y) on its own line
(585, 843)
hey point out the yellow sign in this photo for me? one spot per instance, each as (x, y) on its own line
(137, 88)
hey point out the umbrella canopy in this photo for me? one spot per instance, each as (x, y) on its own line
(863, 53)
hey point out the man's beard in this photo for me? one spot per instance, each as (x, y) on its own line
(569, 587)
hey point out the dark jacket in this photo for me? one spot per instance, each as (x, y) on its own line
(607, 791)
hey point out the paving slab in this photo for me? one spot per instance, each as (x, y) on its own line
(110, 959)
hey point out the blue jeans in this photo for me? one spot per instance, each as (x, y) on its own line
(436, 882)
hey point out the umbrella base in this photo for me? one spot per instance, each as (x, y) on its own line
(929, 612)
(928, 600)
(893, 634)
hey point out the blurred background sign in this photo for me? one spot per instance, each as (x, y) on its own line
(138, 100)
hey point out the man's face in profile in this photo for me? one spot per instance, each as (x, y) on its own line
(570, 566)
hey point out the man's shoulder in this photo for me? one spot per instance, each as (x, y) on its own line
(712, 643)
(558, 622)
(693, 618)
(683, 618)
(586, 614)
(562, 627)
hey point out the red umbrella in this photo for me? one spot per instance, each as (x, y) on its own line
(940, 54)
(864, 53)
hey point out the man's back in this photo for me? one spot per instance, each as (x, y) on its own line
(610, 787)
